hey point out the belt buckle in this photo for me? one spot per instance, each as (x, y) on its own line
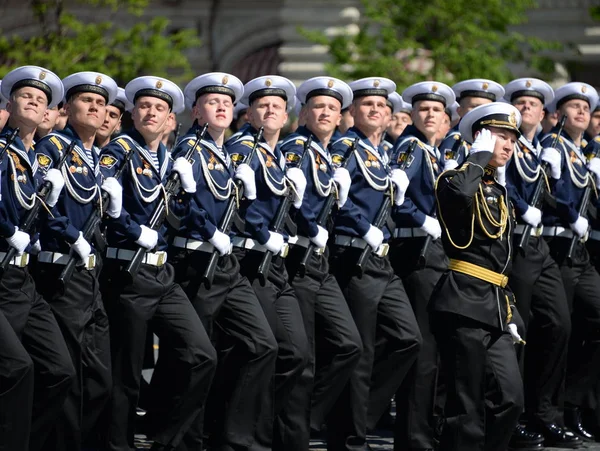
(22, 260)
(504, 281)
(383, 249)
(284, 250)
(319, 250)
(90, 262)
(161, 258)
(538, 231)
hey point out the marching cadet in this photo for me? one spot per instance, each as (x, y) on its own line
(150, 295)
(230, 304)
(535, 280)
(593, 129)
(47, 125)
(469, 94)
(269, 98)
(112, 120)
(401, 119)
(567, 224)
(78, 308)
(376, 297)
(170, 127)
(469, 308)
(415, 220)
(29, 90)
(548, 122)
(240, 117)
(3, 113)
(333, 339)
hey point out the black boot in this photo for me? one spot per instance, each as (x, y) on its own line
(555, 435)
(525, 439)
(574, 421)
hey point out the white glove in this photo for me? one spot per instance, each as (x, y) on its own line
(20, 240)
(533, 216)
(56, 179)
(485, 142)
(320, 239)
(341, 176)
(400, 179)
(432, 227)
(374, 237)
(296, 176)
(148, 238)
(552, 157)
(82, 247)
(112, 186)
(275, 242)
(512, 329)
(501, 175)
(580, 227)
(594, 167)
(35, 248)
(450, 164)
(186, 175)
(245, 173)
(221, 242)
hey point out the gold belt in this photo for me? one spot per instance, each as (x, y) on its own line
(479, 272)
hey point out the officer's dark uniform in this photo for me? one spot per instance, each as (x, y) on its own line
(27, 313)
(229, 306)
(334, 341)
(154, 297)
(277, 297)
(378, 302)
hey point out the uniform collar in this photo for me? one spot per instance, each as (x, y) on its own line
(17, 146)
(305, 131)
(411, 130)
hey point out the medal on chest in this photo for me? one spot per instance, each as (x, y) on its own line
(77, 165)
(19, 169)
(145, 169)
(371, 160)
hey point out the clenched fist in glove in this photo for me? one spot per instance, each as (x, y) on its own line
(533, 216)
(594, 167)
(580, 227)
(20, 240)
(82, 247)
(186, 174)
(431, 226)
(552, 156)
(341, 176)
(148, 238)
(221, 242)
(275, 242)
(401, 182)
(374, 237)
(320, 239)
(296, 176)
(56, 179)
(112, 186)
(245, 174)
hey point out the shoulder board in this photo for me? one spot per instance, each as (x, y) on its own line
(54, 140)
(583, 143)
(124, 144)
(2, 145)
(247, 143)
(597, 139)
(347, 141)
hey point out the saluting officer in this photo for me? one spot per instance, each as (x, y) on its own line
(29, 90)
(334, 341)
(535, 280)
(152, 295)
(112, 121)
(416, 219)
(269, 98)
(561, 224)
(79, 309)
(470, 308)
(377, 299)
(230, 305)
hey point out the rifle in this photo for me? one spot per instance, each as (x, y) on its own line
(229, 215)
(382, 215)
(11, 139)
(160, 213)
(176, 137)
(537, 199)
(325, 211)
(91, 224)
(32, 215)
(279, 220)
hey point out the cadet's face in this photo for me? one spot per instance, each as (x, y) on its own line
(368, 113)
(594, 127)
(322, 114)
(49, 121)
(150, 115)
(112, 122)
(427, 116)
(268, 112)
(28, 105)
(532, 110)
(86, 109)
(578, 115)
(216, 109)
(3, 118)
(398, 123)
(61, 121)
(505, 145)
(346, 122)
(444, 128)
(468, 103)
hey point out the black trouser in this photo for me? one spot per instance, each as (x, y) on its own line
(154, 297)
(484, 386)
(32, 320)
(16, 390)
(230, 307)
(581, 282)
(281, 308)
(334, 344)
(80, 314)
(542, 303)
(383, 316)
(415, 398)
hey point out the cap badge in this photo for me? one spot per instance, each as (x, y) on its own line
(268, 82)
(330, 84)
(434, 88)
(583, 89)
(225, 80)
(512, 119)
(485, 85)
(528, 84)
(159, 84)
(42, 75)
(98, 80)
(376, 83)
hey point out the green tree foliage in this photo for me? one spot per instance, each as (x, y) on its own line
(409, 41)
(66, 44)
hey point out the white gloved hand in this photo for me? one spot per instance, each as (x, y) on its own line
(275, 242)
(431, 226)
(341, 176)
(112, 186)
(148, 238)
(245, 173)
(296, 176)
(552, 157)
(594, 167)
(186, 174)
(533, 216)
(20, 240)
(516, 338)
(221, 242)
(82, 247)
(35, 248)
(56, 179)
(485, 142)
(450, 164)
(320, 239)
(400, 179)
(580, 227)
(374, 237)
